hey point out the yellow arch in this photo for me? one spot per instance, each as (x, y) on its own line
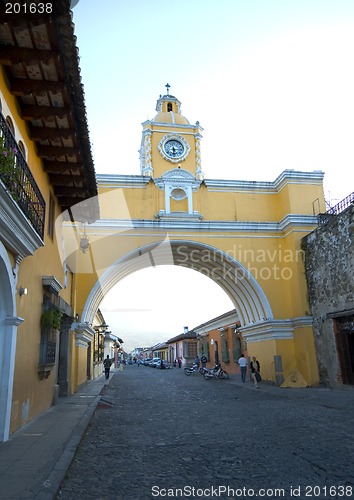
(250, 302)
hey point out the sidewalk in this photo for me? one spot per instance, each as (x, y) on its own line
(338, 398)
(33, 462)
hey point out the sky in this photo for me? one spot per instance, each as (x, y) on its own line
(271, 83)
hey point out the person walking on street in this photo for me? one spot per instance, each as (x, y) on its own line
(255, 370)
(197, 361)
(242, 362)
(107, 363)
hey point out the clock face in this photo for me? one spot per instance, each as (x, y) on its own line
(174, 148)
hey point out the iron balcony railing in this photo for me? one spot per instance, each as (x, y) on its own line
(20, 182)
(336, 209)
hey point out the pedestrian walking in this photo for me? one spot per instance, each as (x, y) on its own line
(242, 362)
(107, 363)
(204, 360)
(255, 370)
(197, 361)
(179, 362)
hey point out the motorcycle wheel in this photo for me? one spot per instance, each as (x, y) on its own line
(224, 375)
(208, 376)
(188, 372)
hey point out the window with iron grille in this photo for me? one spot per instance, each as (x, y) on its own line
(225, 355)
(48, 348)
(236, 347)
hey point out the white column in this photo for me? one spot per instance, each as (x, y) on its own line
(190, 200)
(167, 199)
(7, 364)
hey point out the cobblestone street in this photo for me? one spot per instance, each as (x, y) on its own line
(167, 435)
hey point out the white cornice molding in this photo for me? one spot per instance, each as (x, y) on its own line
(225, 321)
(275, 329)
(14, 320)
(286, 177)
(302, 222)
(174, 216)
(16, 232)
(185, 126)
(221, 185)
(109, 336)
(84, 334)
(54, 285)
(122, 181)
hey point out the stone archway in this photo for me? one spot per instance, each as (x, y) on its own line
(248, 298)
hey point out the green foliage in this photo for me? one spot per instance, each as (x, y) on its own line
(7, 160)
(51, 318)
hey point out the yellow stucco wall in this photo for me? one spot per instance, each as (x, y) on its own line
(81, 354)
(253, 206)
(31, 395)
(74, 360)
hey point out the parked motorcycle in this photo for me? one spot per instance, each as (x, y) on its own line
(188, 370)
(216, 372)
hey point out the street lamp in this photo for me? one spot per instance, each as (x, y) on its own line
(84, 241)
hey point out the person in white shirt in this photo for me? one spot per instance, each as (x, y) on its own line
(242, 362)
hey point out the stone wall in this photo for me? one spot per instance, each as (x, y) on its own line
(329, 265)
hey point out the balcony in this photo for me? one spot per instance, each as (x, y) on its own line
(19, 181)
(336, 210)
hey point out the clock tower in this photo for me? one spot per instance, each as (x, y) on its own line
(170, 142)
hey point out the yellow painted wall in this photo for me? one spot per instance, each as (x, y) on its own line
(276, 263)
(144, 203)
(264, 352)
(81, 354)
(306, 355)
(73, 364)
(31, 395)
(296, 354)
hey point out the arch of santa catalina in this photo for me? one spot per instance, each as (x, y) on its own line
(245, 236)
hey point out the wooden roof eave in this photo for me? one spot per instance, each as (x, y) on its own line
(64, 54)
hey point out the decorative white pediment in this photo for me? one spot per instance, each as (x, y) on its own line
(177, 173)
(177, 178)
(178, 184)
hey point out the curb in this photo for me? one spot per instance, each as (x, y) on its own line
(51, 486)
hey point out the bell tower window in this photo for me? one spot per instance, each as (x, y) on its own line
(169, 106)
